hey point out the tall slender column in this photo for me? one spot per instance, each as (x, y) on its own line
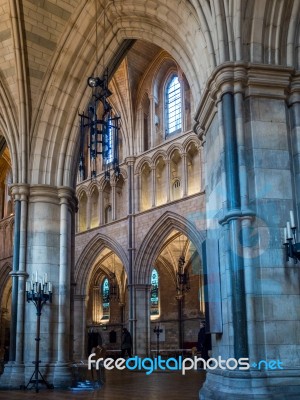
(152, 121)
(88, 212)
(233, 215)
(140, 142)
(114, 203)
(96, 304)
(142, 310)
(153, 180)
(24, 191)
(66, 202)
(184, 179)
(66, 198)
(169, 182)
(132, 319)
(16, 256)
(80, 327)
(100, 207)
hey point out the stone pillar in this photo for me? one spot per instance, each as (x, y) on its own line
(252, 153)
(100, 206)
(140, 142)
(113, 200)
(184, 179)
(15, 281)
(13, 375)
(152, 121)
(80, 327)
(132, 318)
(96, 304)
(234, 210)
(88, 212)
(62, 373)
(153, 180)
(142, 315)
(169, 181)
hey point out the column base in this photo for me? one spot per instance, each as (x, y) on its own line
(13, 376)
(264, 385)
(62, 375)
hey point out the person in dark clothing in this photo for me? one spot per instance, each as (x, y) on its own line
(126, 344)
(204, 342)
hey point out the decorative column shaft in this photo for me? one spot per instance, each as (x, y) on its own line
(184, 178)
(113, 206)
(233, 209)
(14, 296)
(132, 319)
(153, 178)
(63, 333)
(96, 304)
(169, 181)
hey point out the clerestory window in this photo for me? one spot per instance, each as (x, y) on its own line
(173, 106)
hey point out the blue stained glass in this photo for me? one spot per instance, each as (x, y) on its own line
(154, 298)
(173, 106)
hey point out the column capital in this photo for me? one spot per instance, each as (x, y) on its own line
(19, 274)
(257, 80)
(20, 191)
(67, 196)
(130, 160)
(141, 286)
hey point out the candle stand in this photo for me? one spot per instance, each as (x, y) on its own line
(158, 331)
(292, 246)
(39, 293)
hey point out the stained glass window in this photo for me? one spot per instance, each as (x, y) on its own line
(173, 106)
(154, 298)
(105, 299)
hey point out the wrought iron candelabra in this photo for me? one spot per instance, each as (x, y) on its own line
(292, 247)
(39, 293)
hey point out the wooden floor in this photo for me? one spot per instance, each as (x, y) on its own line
(126, 385)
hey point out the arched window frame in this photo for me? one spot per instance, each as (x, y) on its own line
(154, 295)
(105, 301)
(108, 214)
(178, 105)
(176, 189)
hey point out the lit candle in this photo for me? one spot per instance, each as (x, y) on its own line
(36, 276)
(49, 287)
(293, 225)
(27, 286)
(285, 235)
(289, 231)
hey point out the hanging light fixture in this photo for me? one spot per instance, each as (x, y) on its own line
(182, 275)
(113, 284)
(99, 127)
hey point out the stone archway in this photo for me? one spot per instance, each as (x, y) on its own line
(147, 255)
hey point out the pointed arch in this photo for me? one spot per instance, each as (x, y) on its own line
(89, 256)
(151, 246)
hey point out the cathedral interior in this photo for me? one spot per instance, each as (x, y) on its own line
(149, 163)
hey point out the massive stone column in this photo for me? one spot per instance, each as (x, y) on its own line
(14, 371)
(80, 327)
(251, 151)
(142, 315)
(45, 245)
(67, 207)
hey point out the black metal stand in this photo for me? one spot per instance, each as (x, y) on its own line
(38, 296)
(158, 331)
